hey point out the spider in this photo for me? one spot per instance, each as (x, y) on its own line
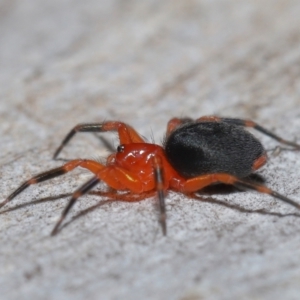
(195, 154)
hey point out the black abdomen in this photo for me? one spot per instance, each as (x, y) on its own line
(211, 147)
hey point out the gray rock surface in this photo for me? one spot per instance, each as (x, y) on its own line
(143, 62)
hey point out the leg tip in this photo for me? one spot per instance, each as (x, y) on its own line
(163, 225)
(55, 229)
(57, 152)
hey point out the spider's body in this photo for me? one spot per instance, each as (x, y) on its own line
(196, 153)
(212, 147)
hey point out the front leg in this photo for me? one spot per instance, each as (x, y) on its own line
(126, 133)
(90, 165)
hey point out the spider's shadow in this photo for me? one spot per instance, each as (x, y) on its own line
(239, 208)
(37, 201)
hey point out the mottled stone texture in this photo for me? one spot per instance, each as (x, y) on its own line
(63, 62)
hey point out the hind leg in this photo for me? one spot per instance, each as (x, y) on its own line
(200, 182)
(251, 124)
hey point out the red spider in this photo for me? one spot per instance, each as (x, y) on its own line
(195, 154)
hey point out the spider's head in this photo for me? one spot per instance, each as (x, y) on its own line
(135, 157)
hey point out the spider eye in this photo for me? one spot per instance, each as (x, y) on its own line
(120, 148)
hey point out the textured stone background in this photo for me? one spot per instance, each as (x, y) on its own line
(64, 62)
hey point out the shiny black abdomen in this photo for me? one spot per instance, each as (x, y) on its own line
(212, 147)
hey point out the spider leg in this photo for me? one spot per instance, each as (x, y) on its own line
(159, 185)
(175, 122)
(91, 165)
(198, 183)
(124, 197)
(249, 123)
(126, 133)
(78, 193)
